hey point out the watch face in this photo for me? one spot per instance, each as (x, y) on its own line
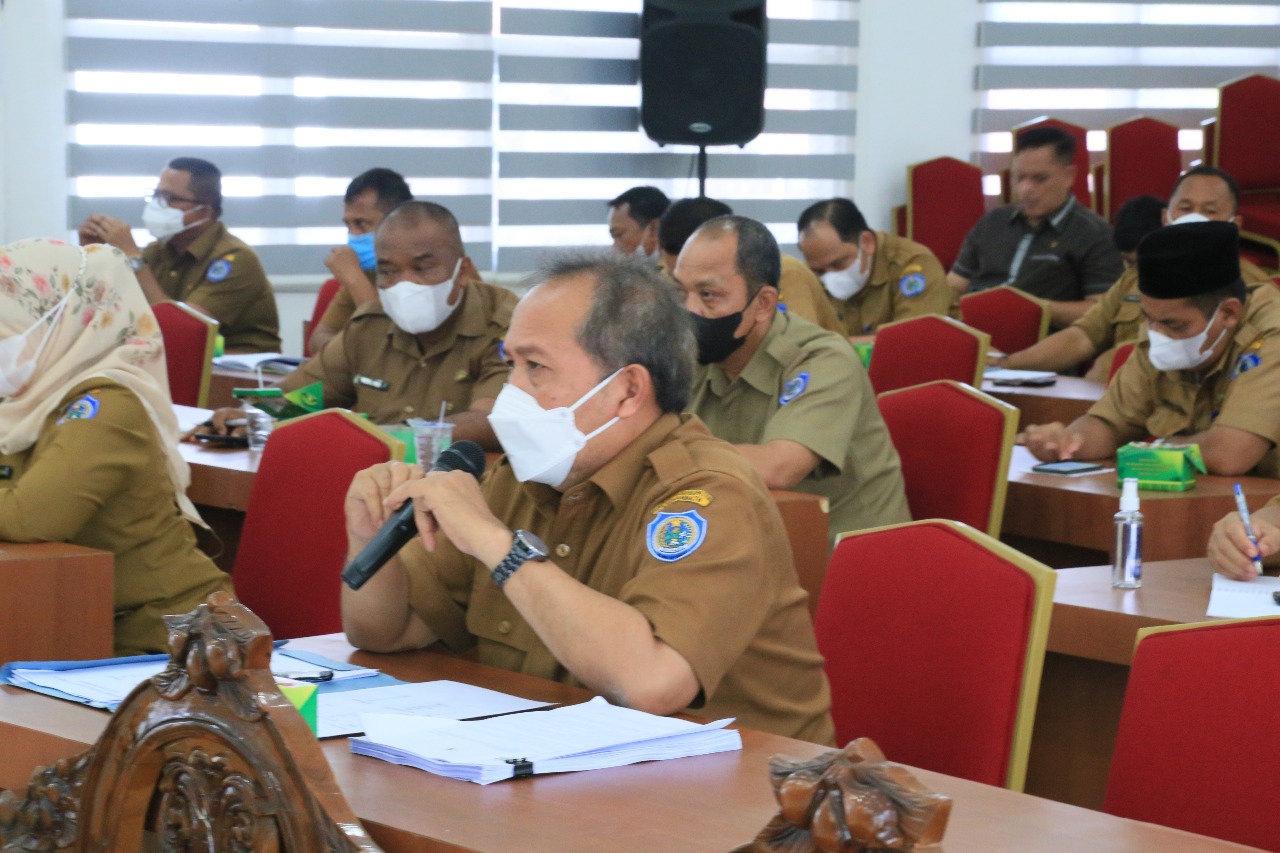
(533, 543)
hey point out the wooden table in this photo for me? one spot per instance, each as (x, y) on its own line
(1068, 521)
(1064, 401)
(221, 383)
(708, 803)
(1091, 639)
(56, 602)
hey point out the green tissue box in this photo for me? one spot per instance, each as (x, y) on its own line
(303, 697)
(1159, 468)
(864, 353)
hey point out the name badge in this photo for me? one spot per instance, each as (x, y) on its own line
(370, 382)
(1132, 297)
(6, 472)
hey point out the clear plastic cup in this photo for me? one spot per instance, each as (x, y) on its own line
(430, 438)
(258, 425)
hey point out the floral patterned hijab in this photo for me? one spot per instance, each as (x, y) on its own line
(105, 329)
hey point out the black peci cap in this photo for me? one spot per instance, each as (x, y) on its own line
(1182, 261)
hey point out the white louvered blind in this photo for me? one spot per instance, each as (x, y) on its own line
(520, 115)
(1100, 63)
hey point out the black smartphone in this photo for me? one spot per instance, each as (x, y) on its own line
(1068, 467)
(221, 440)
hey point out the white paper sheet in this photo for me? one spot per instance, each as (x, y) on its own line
(1241, 599)
(339, 713)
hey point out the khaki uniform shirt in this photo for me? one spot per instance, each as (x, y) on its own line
(1241, 389)
(905, 281)
(809, 386)
(801, 293)
(678, 526)
(1116, 318)
(96, 477)
(341, 307)
(222, 275)
(374, 366)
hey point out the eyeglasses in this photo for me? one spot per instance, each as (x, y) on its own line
(167, 198)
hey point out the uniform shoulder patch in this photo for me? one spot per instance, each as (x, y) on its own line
(218, 270)
(83, 409)
(912, 285)
(1246, 362)
(794, 387)
(673, 536)
(700, 497)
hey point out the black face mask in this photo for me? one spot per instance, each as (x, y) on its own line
(716, 340)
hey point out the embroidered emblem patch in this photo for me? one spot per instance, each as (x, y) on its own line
(794, 388)
(912, 285)
(675, 535)
(218, 270)
(693, 496)
(1245, 363)
(84, 409)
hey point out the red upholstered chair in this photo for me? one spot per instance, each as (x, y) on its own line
(1081, 185)
(189, 338)
(934, 637)
(1015, 320)
(1099, 188)
(1118, 360)
(1248, 124)
(328, 290)
(1196, 749)
(954, 442)
(944, 200)
(922, 349)
(1142, 158)
(900, 226)
(294, 540)
(1210, 152)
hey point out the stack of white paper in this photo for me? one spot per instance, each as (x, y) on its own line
(1242, 599)
(340, 713)
(589, 736)
(1007, 374)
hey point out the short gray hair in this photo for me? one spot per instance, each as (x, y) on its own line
(635, 317)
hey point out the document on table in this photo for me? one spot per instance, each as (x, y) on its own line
(1006, 374)
(589, 736)
(1240, 599)
(339, 713)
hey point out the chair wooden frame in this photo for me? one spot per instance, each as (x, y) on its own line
(211, 341)
(396, 446)
(1009, 437)
(1045, 579)
(1039, 303)
(984, 341)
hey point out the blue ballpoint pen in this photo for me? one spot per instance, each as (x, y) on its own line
(1243, 508)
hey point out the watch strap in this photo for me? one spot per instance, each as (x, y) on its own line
(521, 552)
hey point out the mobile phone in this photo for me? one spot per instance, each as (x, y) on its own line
(222, 440)
(1068, 467)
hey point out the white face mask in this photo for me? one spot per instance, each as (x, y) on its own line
(13, 376)
(1188, 218)
(1168, 353)
(541, 443)
(165, 222)
(843, 284)
(419, 308)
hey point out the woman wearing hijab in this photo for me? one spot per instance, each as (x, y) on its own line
(88, 437)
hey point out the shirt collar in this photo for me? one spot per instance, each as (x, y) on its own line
(1054, 220)
(757, 373)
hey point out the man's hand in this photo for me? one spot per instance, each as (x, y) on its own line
(101, 228)
(450, 502)
(996, 358)
(343, 262)
(1052, 442)
(1230, 551)
(217, 425)
(367, 505)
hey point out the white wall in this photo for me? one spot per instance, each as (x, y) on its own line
(916, 62)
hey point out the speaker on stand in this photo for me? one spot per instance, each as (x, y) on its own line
(702, 73)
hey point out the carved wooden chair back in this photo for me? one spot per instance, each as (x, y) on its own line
(208, 755)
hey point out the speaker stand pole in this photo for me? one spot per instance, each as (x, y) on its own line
(702, 171)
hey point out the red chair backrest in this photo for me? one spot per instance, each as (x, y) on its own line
(1210, 145)
(294, 541)
(1248, 126)
(944, 200)
(925, 634)
(188, 351)
(328, 290)
(952, 447)
(1118, 360)
(1196, 750)
(1081, 185)
(1143, 158)
(923, 349)
(900, 224)
(1013, 321)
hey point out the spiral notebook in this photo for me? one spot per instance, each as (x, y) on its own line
(1241, 599)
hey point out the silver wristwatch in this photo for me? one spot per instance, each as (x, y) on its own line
(136, 263)
(525, 547)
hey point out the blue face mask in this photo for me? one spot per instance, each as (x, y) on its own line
(363, 246)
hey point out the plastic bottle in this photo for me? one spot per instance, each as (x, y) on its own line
(1126, 573)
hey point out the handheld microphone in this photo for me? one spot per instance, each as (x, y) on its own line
(400, 527)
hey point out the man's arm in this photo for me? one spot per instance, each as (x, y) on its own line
(1063, 314)
(1226, 451)
(101, 228)
(473, 425)
(344, 264)
(1088, 437)
(959, 283)
(1231, 553)
(1060, 351)
(781, 463)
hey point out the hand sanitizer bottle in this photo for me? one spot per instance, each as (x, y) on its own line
(1127, 570)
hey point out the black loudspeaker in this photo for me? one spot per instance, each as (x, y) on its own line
(702, 71)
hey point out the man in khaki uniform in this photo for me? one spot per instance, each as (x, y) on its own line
(1200, 194)
(799, 291)
(370, 196)
(1209, 371)
(435, 339)
(647, 562)
(793, 398)
(872, 278)
(194, 259)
